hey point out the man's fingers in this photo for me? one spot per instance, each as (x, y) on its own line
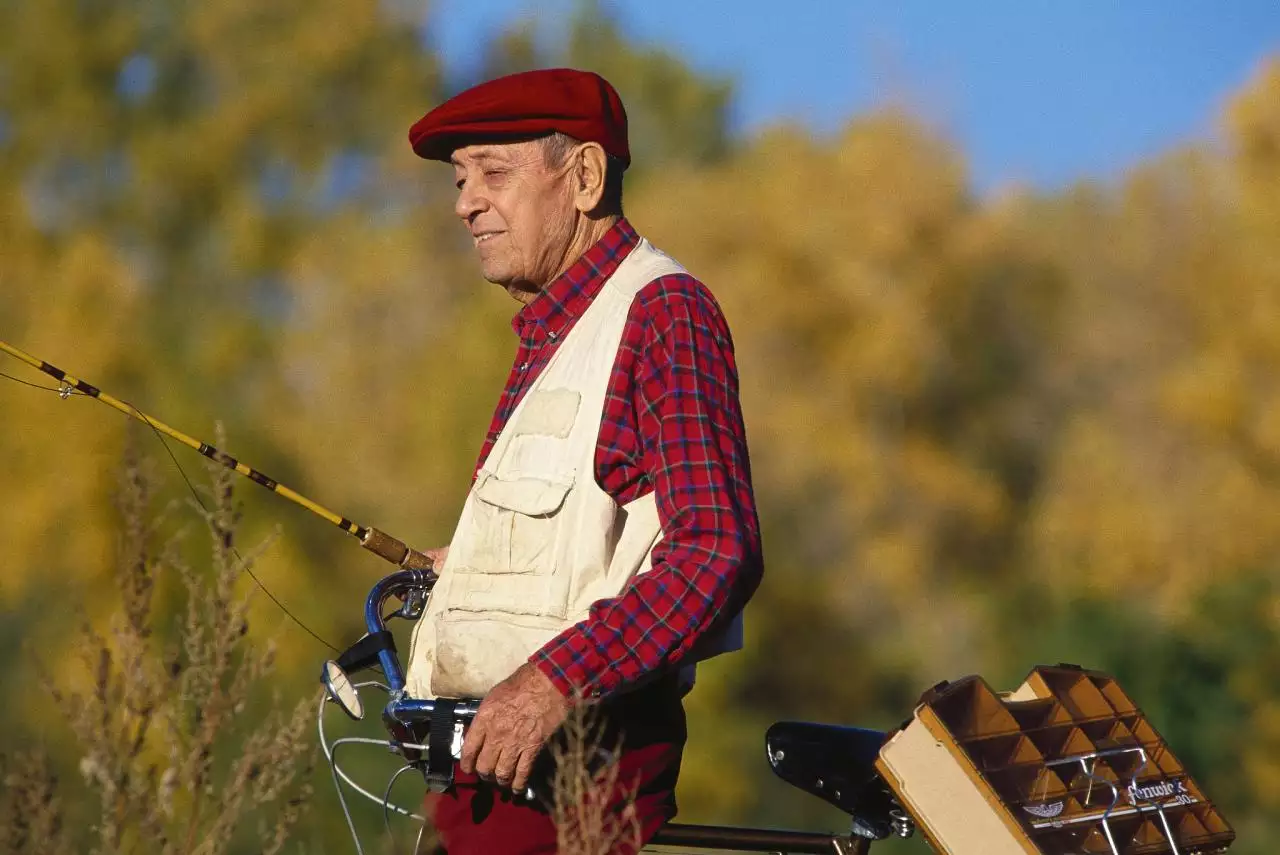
(488, 757)
(509, 730)
(523, 769)
(472, 741)
(504, 766)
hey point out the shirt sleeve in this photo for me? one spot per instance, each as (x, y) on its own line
(676, 366)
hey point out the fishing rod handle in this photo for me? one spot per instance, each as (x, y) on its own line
(385, 546)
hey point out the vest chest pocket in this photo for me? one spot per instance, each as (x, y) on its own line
(548, 412)
(515, 524)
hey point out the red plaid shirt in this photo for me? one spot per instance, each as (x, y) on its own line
(672, 425)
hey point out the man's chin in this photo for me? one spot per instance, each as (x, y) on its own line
(495, 275)
(519, 290)
(521, 293)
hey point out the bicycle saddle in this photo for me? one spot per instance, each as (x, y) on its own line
(836, 764)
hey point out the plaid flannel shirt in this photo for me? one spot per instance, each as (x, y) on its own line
(672, 425)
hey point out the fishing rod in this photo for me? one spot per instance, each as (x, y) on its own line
(378, 542)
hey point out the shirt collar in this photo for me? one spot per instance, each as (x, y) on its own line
(568, 296)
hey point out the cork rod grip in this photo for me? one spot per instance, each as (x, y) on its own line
(415, 560)
(387, 547)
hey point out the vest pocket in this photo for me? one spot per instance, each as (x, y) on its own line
(514, 524)
(548, 412)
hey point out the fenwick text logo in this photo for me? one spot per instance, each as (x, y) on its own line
(1166, 792)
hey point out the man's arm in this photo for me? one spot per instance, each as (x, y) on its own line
(684, 389)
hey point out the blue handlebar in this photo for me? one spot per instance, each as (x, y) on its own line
(384, 588)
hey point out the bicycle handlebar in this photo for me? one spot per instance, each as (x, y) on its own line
(414, 729)
(397, 584)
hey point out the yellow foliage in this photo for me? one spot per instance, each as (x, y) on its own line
(965, 414)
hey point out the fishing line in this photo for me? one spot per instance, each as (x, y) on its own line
(68, 391)
(39, 386)
(195, 494)
(376, 541)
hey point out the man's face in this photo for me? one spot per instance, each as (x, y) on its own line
(519, 211)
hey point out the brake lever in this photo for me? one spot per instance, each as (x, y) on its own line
(412, 606)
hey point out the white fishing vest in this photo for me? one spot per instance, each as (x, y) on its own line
(538, 541)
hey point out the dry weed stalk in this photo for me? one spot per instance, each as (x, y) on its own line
(32, 817)
(594, 812)
(161, 723)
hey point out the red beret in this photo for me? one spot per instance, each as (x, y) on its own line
(581, 104)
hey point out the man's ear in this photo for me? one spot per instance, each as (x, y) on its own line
(588, 177)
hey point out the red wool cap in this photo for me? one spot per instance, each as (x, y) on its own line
(581, 104)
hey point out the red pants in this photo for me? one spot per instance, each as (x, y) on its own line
(478, 818)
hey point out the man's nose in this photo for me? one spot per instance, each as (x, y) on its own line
(469, 203)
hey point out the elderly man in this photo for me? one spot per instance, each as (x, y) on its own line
(610, 537)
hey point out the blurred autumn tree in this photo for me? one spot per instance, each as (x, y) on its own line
(986, 432)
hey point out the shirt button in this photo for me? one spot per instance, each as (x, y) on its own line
(523, 366)
(553, 335)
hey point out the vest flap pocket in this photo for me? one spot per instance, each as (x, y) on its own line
(532, 497)
(533, 594)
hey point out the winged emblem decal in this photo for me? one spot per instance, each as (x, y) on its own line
(1048, 810)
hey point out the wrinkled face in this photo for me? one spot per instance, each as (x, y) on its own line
(519, 211)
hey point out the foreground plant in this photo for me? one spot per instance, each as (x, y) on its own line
(594, 812)
(160, 717)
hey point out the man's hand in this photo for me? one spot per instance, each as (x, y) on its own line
(513, 723)
(437, 557)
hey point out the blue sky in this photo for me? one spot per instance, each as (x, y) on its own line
(1041, 91)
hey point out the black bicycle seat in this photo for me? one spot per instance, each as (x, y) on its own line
(836, 764)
